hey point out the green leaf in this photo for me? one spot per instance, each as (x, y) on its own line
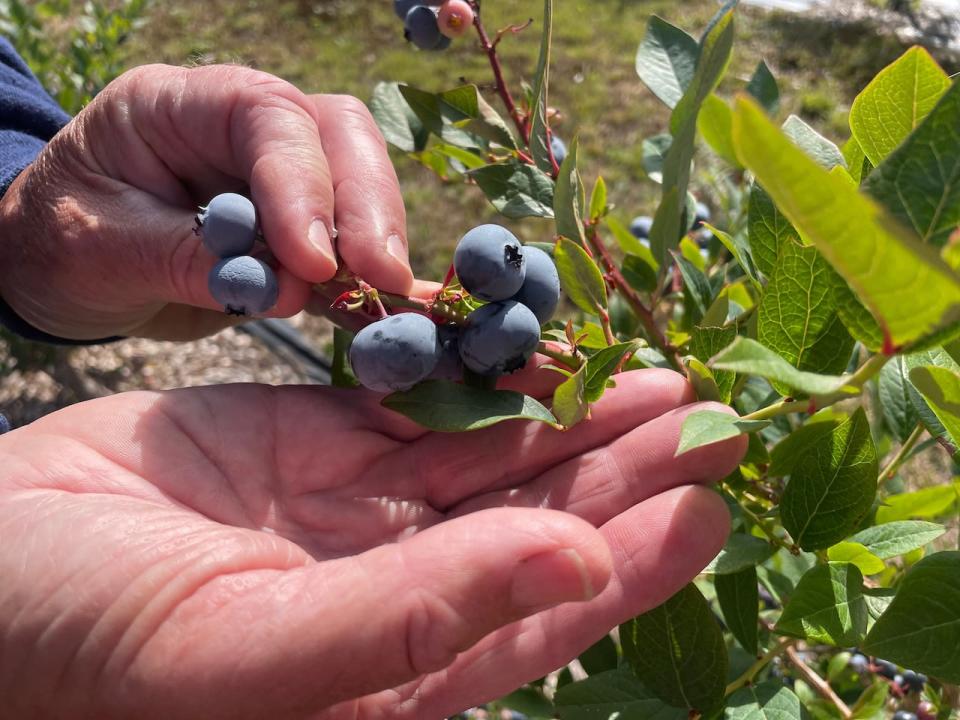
(857, 161)
(940, 387)
(763, 86)
(870, 704)
(707, 427)
(715, 123)
(920, 182)
(921, 628)
(451, 407)
(797, 318)
(739, 598)
(751, 358)
(707, 342)
(600, 657)
(895, 403)
(528, 700)
(627, 242)
(832, 464)
(641, 271)
(539, 135)
(705, 386)
(569, 404)
(937, 357)
(715, 47)
(568, 198)
(858, 320)
(856, 554)
(741, 251)
(895, 102)
(742, 551)
(677, 651)
(666, 61)
(898, 538)
(818, 148)
(602, 365)
(766, 701)
(768, 229)
(904, 283)
(580, 277)
(696, 285)
(654, 154)
(467, 109)
(399, 125)
(439, 117)
(469, 160)
(598, 199)
(615, 693)
(340, 374)
(931, 502)
(516, 190)
(827, 606)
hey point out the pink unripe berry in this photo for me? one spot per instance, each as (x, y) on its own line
(455, 18)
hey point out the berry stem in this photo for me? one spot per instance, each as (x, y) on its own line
(619, 283)
(436, 308)
(891, 468)
(567, 359)
(490, 48)
(607, 329)
(814, 680)
(760, 664)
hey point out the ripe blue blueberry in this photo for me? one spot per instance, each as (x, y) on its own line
(499, 338)
(541, 286)
(904, 715)
(5, 425)
(402, 7)
(422, 29)
(489, 263)
(859, 663)
(449, 366)
(243, 285)
(701, 215)
(884, 668)
(640, 227)
(228, 225)
(559, 149)
(395, 353)
(913, 680)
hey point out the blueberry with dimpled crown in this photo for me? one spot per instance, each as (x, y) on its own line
(489, 263)
(395, 353)
(422, 29)
(228, 225)
(243, 285)
(499, 338)
(541, 287)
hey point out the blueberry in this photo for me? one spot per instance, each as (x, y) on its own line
(489, 263)
(499, 338)
(228, 225)
(640, 227)
(395, 353)
(701, 215)
(402, 7)
(904, 715)
(859, 663)
(449, 366)
(455, 18)
(914, 680)
(541, 286)
(5, 425)
(421, 28)
(243, 285)
(884, 668)
(559, 149)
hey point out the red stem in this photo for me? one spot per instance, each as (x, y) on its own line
(491, 50)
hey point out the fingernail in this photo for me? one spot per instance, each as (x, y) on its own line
(397, 248)
(550, 579)
(319, 237)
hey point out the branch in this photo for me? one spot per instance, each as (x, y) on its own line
(760, 664)
(891, 469)
(490, 48)
(818, 683)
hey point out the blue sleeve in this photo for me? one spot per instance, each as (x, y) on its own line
(29, 117)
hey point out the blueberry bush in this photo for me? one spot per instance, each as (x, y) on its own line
(820, 298)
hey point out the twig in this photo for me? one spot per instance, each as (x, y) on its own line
(569, 360)
(503, 91)
(817, 683)
(435, 307)
(511, 29)
(760, 664)
(891, 469)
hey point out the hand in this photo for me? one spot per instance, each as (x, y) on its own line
(256, 552)
(99, 229)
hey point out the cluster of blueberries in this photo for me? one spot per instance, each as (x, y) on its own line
(243, 284)
(906, 681)
(640, 226)
(432, 24)
(522, 290)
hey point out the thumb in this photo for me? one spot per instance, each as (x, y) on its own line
(345, 628)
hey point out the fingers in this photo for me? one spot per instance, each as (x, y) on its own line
(601, 483)
(370, 217)
(337, 630)
(445, 469)
(657, 546)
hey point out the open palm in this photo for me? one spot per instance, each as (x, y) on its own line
(247, 551)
